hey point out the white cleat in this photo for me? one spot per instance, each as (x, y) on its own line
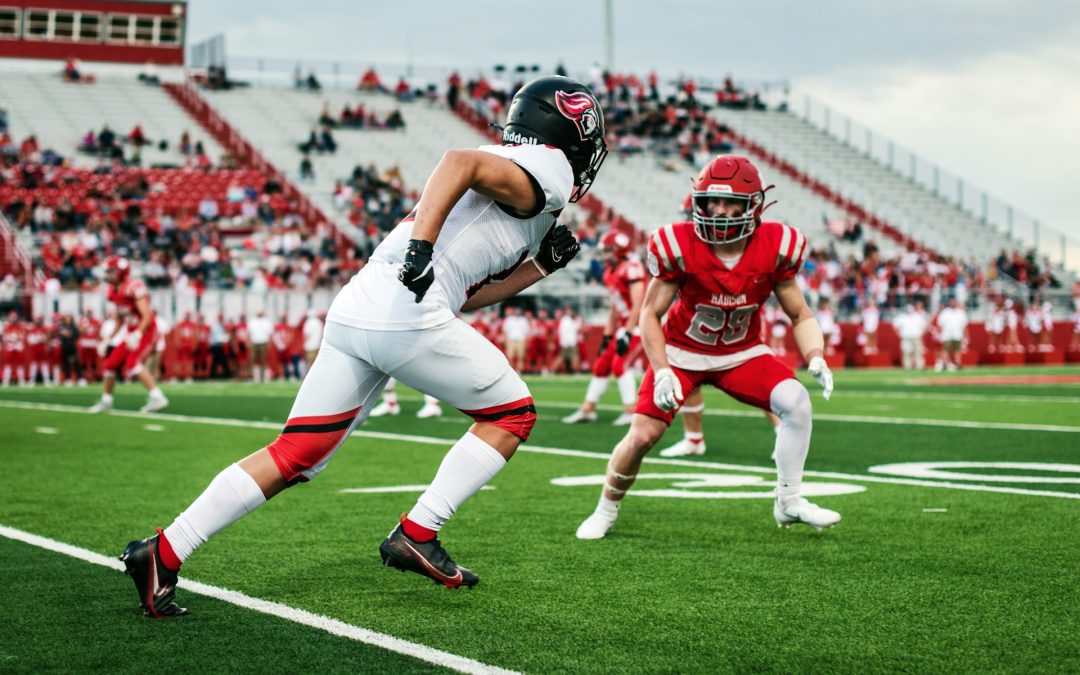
(100, 407)
(597, 525)
(802, 511)
(684, 448)
(579, 416)
(429, 410)
(154, 403)
(385, 408)
(623, 420)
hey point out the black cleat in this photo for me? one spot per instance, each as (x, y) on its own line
(155, 583)
(429, 559)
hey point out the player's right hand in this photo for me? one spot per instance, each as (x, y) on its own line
(417, 273)
(667, 390)
(622, 341)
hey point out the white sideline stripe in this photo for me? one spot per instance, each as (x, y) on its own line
(323, 623)
(565, 452)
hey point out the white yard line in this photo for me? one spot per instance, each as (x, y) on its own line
(300, 616)
(564, 452)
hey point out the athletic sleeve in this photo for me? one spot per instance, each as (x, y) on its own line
(546, 166)
(790, 253)
(665, 259)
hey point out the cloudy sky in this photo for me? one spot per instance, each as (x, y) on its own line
(988, 89)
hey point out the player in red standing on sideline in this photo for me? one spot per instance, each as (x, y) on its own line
(37, 335)
(89, 337)
(14, 349)
(280, 340)
(487, 214)
(132, 298)
(202, 347)
(723, 266)
(52, 349)
(624, 277)
(186, 334)
(240, 345)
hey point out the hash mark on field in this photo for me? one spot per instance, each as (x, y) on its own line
(46, 430)
(935, 510)
(300, 616)
(153, 427)
(565, 452)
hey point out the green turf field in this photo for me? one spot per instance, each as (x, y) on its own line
(961, 574)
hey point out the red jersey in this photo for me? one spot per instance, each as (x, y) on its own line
(126, 296)
(186, 335)
(89, 332)
(281, 337)
(241, 337)
(14, 337)
(718, 309)
(36, 336)
(618, 281)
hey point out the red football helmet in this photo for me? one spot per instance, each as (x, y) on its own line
(617, 243)
(735, 178)
(117, 268)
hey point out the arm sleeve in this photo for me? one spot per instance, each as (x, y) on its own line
(790, 253)
(546, 166)
(664, 258)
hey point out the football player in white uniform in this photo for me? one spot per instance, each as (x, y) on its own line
(486, 215)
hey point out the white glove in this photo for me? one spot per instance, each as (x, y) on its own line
(102, 347)
(667, 390)
(820, 370)
(133, 339)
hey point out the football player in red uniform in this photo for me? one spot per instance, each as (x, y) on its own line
(89, 337)
(624, 277)
(37, 335)
(723, 266)
(14, 349)
(131, 297)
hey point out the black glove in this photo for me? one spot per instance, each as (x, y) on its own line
(622, 342)
(603, 344)
(417, 273)
(557, 248)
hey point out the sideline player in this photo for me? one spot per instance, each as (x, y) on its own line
(723, 266)
(130, 295)
(624, 277)
(485, 215)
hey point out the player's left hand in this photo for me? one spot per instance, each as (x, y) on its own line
(133, 339)
(667, 390)
(417, 273)
(622, 341)
(557, 249)
(820, 371)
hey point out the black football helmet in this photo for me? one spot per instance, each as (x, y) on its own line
(562, 113)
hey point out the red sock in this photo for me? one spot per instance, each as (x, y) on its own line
(166, 553)
(417, 533)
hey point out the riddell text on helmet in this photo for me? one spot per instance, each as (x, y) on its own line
(515, 137)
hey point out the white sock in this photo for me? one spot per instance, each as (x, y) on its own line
(790, 402)
(608, 506)
(627, 388)
(430, 400)
(694, 437)
(597, 387)
(469, 465)
(230, 496)
(7, 375)
(106, 399)
(156, 393)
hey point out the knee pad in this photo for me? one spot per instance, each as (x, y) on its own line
(790, 402)
(304, 446)
(517, 417)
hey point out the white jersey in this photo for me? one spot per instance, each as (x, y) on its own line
(1033, 318)
(953, 323)
(260, 328)
(910, 325)
(871, 317)
(479, 243)
(570, 328)
(995, 323)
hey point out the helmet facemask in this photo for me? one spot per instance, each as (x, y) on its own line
(722, 229)
(585, 173)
